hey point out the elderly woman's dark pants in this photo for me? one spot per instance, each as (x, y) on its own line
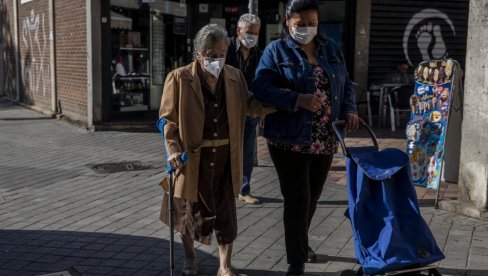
(302, 177)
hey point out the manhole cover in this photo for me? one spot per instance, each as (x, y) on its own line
(121, 167)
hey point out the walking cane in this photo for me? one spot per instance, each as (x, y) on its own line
(170, 170)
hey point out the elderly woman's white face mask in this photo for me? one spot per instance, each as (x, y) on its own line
(213, 58)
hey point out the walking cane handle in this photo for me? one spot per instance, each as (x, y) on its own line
(183, 158)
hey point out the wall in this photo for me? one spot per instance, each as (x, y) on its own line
(71, 57)
(36, 72)
(415, 30)
(34, 54)
(8, 44)
(474, 151)
(2, 93)
(361, 53)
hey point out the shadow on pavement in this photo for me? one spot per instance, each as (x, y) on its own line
(319, 203)
(37, 252)
(333, 202)
(456, 272)
(269, 200)
(25, 252)
(321, 258)
(26, 118)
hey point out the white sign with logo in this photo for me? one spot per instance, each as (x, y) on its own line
(170, 7)
(203, 8)
(218, 21)
(425, 29)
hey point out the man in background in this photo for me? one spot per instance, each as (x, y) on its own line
(400, 75)
(244, 54)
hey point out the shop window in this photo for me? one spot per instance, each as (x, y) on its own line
(130, 56)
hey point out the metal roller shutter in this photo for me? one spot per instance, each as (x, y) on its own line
(411, 31)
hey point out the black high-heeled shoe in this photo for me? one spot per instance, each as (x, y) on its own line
(296, 269)
(312, 257)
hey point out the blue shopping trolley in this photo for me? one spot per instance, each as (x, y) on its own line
(390, 235)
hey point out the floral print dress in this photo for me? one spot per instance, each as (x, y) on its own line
(323, 139)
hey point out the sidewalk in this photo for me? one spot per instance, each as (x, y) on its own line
(56, 213)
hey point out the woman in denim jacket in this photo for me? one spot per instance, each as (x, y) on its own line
(304, 76)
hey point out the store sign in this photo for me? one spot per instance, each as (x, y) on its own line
(232, 10)
(179, 26)
(170, 7)
(203, 8)
(426, 29)
(158, 60)
(218, 21)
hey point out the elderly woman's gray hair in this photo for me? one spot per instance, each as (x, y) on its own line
(248, 18)
(208, 36)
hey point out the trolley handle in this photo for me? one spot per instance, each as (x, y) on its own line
(339, 126)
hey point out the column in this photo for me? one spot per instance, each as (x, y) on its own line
(473, 171)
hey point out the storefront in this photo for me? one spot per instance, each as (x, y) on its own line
(149, 38)
(337, 21)
(146, 40)
(413, 31)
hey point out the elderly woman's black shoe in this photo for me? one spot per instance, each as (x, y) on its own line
(296, 269)
(190, 268)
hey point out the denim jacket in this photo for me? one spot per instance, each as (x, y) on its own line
(284, 73)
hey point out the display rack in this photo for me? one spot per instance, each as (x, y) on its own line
(131, 93)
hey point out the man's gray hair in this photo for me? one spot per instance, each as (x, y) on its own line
(248, 18)
(208, 36)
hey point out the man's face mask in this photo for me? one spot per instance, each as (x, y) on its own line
(249, 40)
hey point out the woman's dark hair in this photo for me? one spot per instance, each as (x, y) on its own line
(294, 6)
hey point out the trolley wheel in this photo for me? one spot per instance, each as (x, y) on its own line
(348, 272)
(426, 272)
(434, 272)
(351, 272)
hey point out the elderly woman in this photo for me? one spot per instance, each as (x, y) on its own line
(205, 105)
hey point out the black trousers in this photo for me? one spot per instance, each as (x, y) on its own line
(302, 177)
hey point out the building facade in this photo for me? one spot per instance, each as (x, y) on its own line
(105, 61)
(97, 62)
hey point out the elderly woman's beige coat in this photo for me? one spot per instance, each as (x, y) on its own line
(182, 106)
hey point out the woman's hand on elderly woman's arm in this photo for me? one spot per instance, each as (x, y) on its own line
(256, 108)
(352, 121)
(310, 102)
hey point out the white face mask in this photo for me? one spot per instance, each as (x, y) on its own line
(249, 40)
(303, 35)
(214, 65)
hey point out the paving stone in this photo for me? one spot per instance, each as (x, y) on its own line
(16, 265)
(58, 213)
(99, 271)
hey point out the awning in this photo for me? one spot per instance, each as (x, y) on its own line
(130, 4)
(118, 21)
